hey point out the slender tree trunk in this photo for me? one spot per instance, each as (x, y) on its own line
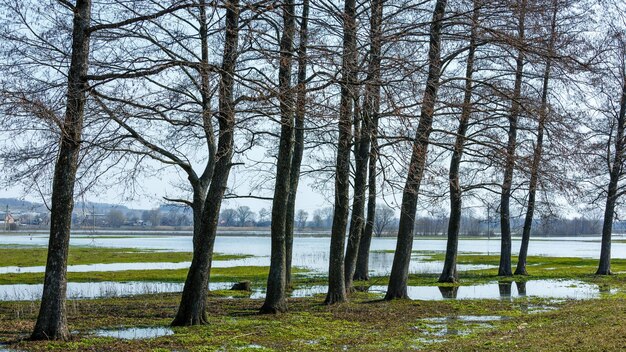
(370, 117)
(358, 204)
(298, 149)
(191, 310)
(52, 319)
(536, 163)
(400, 270)
(362, 263)
(505, 198)
(604, 266)
(275, 301)
(336, 283)
(449, 273)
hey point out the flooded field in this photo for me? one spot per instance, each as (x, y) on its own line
(313, 249)
(553, 289)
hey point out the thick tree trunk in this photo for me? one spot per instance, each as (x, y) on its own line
(336, 283)
(298, 149)
(536, 163)
(52, 319)
(604, 266)
(275, 301)
(367, 146)
(449, 273)
(191, 310)
(507, 183)
(401, 260)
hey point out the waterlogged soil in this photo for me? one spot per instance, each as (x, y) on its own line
(363, 324)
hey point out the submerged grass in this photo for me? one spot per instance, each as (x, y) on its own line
(235, 273)
(36, 255)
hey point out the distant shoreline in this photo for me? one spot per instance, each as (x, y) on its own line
(249, 232)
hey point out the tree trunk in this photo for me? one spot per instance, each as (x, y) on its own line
(276, 282)
(358, 203)
(401, 260)
(449, 273)
(362, 263)
(370, 117)
(52, 319)
(191, 310)
(336, 283)
(505, 197)
(536, 163)
(604, 266)
(298, 149)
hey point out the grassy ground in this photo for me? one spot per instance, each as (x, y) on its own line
(365, 323)
(35, 255)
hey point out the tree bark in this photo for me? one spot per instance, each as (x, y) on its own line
(371, 112)
(604, 266)
(298, 149)
(52, 319)
(536, 162)
(275, 301)
(336, 283)
(191, 310)
(449, 273)
(505, 197)
(397, 287)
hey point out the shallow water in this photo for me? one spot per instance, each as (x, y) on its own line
(107, 289)
(315, 249)
(135, 333)
(555, 289)
(379, 265)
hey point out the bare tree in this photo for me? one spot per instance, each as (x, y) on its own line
(449, 273)
(336, 281)
(504, 268)
(298, 151)
(397, 287)
(538, 150)
(615, 158)
(275, 301)
(244, 215)
(301, 218)
(384, 217)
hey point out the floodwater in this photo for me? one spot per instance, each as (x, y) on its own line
(553, 289)
(309, 252)
(316, 247)
(380, 264)
(134, 333)
(106, 289)
(556, 289)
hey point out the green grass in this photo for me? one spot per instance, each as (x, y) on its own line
(256, 274)
(365, 323)
(36, 255)
(361, 324)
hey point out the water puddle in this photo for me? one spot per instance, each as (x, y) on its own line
(135, 333)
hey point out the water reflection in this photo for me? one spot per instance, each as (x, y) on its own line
(504, 288)
(561, 289)
(521, 288)
(449, 291)
(135, 333)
